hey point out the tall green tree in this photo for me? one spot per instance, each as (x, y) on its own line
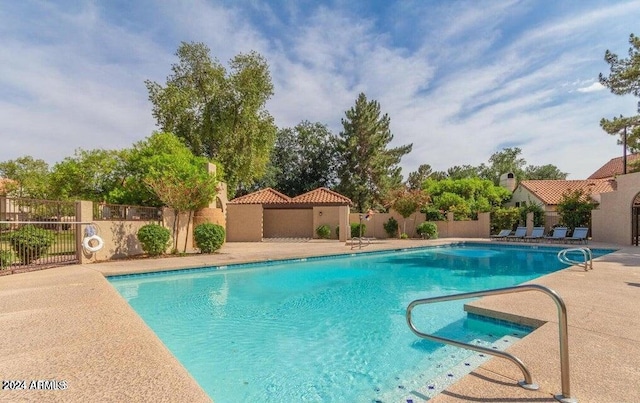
(463, 172)
(303, 159)
(220, 114)
(367, 169)
(501, 162)
(548, 171)
(88, 175)
(623, 79)
(164, 171)
(575, 209)
(30, 174)
(416, 178)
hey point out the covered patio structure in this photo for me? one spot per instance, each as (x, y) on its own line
(268, 213)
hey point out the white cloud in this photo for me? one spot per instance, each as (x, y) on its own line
(592, 88)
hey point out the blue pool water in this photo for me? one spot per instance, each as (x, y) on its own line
(328, 329)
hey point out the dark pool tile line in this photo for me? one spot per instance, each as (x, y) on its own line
(601, 251)
(274, 262)
(511, 325)
(263, 263)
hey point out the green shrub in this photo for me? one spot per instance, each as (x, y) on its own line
(6, 258)
(324, 232)
(355, 229)
(30, 242)
(338, 231)
(154, 239)
(504, 218)
(391, 227)
(209, 237)
(427, 230)
(404, 236)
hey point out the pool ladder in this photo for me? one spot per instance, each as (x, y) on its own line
(586, 252)
(527, 383)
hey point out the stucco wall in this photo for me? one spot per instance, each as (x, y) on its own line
(288, 223)
(329, 215)
(244, 222)
(611, 221)
(521, 195)
(446, 229)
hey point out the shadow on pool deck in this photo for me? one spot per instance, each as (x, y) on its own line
(69, 324)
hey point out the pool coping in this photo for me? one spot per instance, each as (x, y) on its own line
(105, 351)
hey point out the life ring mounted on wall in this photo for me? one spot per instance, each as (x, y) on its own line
(89, 236)
(86, 243)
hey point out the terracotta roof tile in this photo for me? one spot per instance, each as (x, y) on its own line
(551, 191)
(322, 196)
(264, 196)
(613, 167)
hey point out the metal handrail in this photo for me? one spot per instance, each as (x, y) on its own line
(586, 252)
(527, 383)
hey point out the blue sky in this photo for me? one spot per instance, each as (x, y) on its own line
(459, 79)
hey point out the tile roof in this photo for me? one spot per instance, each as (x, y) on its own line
(322, 196)
(551, 191)
(613, 167)
(271, 196)
(263, 196)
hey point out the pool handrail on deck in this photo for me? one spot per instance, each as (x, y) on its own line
(527, 383)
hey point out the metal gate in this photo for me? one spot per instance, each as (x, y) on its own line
(36, 234)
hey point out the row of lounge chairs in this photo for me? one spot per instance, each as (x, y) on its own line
(559, 234)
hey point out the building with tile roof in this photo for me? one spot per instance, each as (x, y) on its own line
(550, 192)
(268, 213)
(266, 196)
(322, 196)
(614, 167)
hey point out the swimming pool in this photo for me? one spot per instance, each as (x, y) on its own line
(328, 329)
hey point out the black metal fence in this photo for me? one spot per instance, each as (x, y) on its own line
(121, 212)
(36, 234)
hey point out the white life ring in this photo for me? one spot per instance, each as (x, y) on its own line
(87, 246)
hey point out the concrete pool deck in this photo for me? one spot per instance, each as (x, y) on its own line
(69, 324)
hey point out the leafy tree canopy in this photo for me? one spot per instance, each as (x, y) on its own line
(303, 159)
(465, 197)
(31, 176)
(367, 169)
(88, 175)
(160, 157)
(219, 114)
(575, 209)
(548, 171)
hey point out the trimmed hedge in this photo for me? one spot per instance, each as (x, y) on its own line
(323, 231)
(427, 230)
(154, 239)
(30, 242)
(209, 237)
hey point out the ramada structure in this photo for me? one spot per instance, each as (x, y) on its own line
(268, 213)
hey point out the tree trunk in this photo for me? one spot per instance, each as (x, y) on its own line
(176, 220)
(186, 235)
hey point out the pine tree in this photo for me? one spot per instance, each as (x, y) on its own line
(367, 170)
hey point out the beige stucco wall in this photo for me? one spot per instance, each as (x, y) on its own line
(244, 223)
(327, 215)
(120, 237)
(288, 223)
(611, 221)
(521, 195)
(446, 229)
